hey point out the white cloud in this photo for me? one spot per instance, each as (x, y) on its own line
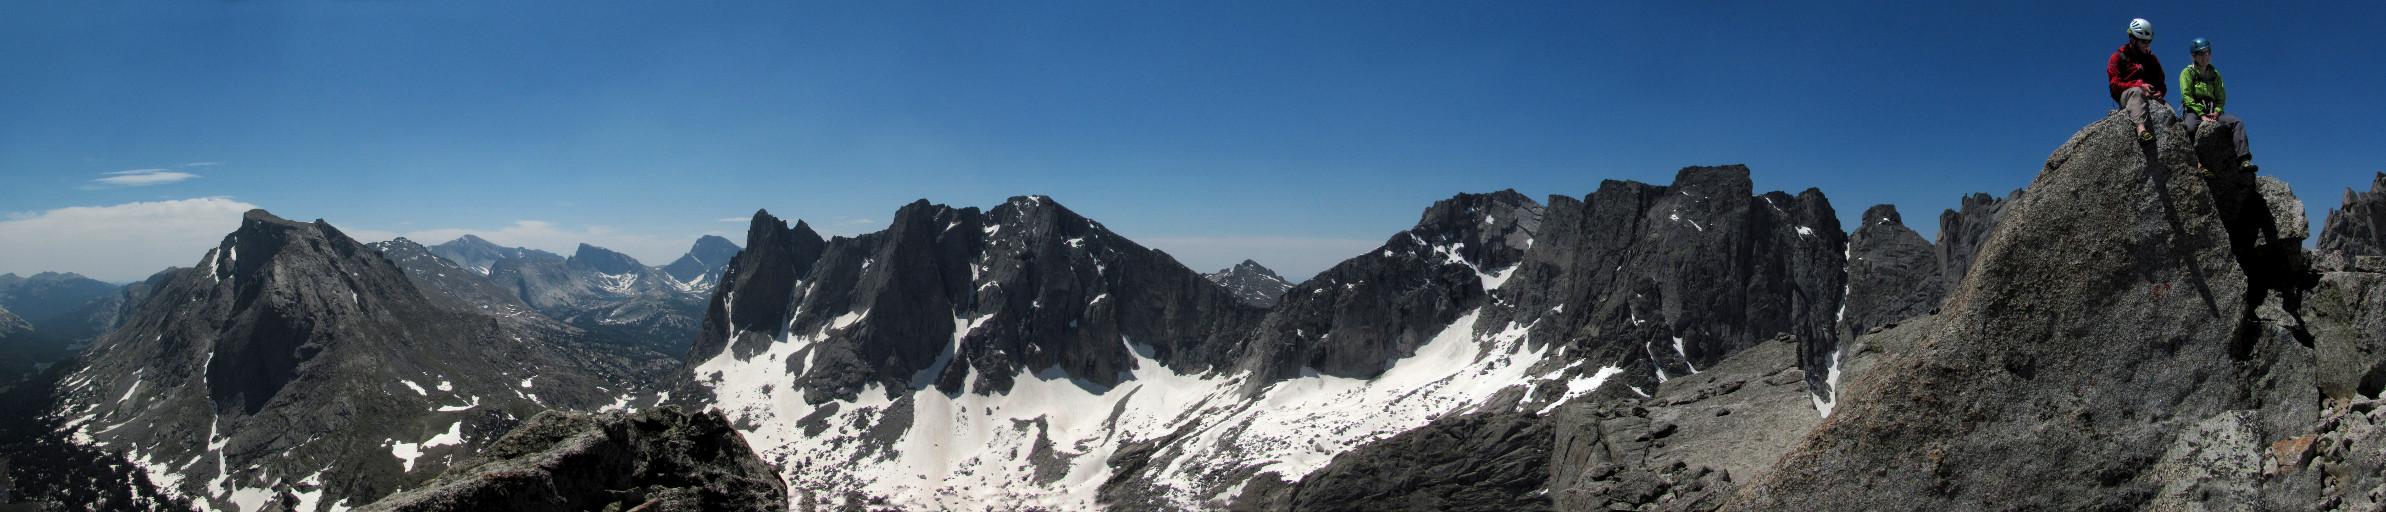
(138, 178)
(546, 236)
(118, 243)
(1294, 258)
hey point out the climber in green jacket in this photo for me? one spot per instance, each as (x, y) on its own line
(2202, 97)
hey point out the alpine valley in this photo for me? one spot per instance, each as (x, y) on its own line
(2139, 328)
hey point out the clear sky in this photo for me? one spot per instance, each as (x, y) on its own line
(133, 132)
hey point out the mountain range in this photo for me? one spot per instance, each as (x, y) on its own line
(2138, 329)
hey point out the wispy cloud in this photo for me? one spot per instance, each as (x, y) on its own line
(856, 222)
(733, 219)
(138, 178)
(117, 243)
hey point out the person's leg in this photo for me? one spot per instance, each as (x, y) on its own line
(2236, 128)
(2192, 122)
(2133, 108)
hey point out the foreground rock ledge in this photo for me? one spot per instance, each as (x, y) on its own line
(2094, 329)
(658, 459)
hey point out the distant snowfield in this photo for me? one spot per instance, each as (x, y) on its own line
(1046, 443)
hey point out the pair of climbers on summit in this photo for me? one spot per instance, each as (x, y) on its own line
(2134, 77)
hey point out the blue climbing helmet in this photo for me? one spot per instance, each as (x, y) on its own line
(2199, 45)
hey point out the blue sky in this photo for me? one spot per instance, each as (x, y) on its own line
(1293, 134)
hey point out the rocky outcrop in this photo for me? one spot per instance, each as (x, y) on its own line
(2040, 392)
(1252, 283)
(656, 459)
(2358, 228)
(1487, 462)
(1893, 273)
(1964, 230)
(1680, 449)
(479, 255)
(702, 266)
(294, 361)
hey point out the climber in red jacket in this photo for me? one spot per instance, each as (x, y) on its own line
(2136, 76)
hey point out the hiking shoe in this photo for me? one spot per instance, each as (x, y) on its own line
(2145, 135)
(2250, 168)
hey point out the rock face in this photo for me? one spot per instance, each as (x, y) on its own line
(1892, 273)
(608, 293)
(297, 366)
(702, 266)
(1252, 283)
(1662, 281)
(1963, 231)
(657, 459)
(2041, 392)
(479, 255)
(2358, 228)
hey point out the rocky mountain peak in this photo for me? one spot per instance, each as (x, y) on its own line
(1251, 282)
(480, 255)
(1892, 273)
(604, 261)
(294, 360)
(2358, 227)
(702, 266)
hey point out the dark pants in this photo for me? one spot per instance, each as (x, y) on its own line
(2228, 123)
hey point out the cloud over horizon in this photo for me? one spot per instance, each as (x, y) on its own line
(119, 243)
(139, 178)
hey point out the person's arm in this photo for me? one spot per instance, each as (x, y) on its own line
(2117, 68)
(2187, 96)
(2220, 93)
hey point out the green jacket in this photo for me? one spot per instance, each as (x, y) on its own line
(2200, 90)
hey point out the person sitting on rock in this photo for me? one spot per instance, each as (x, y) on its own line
(2135, 76)
(2202, 97)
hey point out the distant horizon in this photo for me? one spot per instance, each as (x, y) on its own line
(1189, 252)
(1295, 135)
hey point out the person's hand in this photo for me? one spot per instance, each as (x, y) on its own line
(2212, 117)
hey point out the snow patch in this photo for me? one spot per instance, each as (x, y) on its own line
(408, 452)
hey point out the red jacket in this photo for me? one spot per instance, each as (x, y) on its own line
(2131, 68)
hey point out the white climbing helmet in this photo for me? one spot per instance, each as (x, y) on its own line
(2141, 29)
